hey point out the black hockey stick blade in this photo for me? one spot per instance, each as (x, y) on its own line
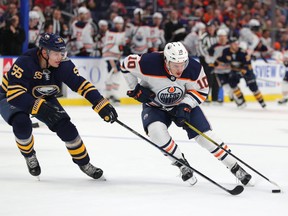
(237, 190)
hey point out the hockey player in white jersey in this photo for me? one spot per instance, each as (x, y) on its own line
(82, 32)
(114, 41)
(250, 34)
(178, 83)
(157, 33)
(284, 100)
(138, 34)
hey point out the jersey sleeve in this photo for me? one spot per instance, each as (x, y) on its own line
(77, 83)
(19, 77)
(197, 91)
(131, 70)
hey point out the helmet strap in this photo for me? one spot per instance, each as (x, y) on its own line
(46, 59)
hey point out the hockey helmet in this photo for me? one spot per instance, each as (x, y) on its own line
(157, 15)
(175, 52)
(221, 32)
(254, 25)
(118, 19)
(33, 15)
(138, 11)
(53, 42)
(102, 23)
(83, 10)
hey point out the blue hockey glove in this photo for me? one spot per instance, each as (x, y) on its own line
(181, 114)
(142, 94)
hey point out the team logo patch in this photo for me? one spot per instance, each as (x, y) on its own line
(170, 95)
(45, 91)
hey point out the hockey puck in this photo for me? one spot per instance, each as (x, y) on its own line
(276, 191)
(35, 125)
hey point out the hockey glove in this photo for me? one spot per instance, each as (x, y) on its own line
(142, 94)
(48, 113)
(105, 110)
(181, 114)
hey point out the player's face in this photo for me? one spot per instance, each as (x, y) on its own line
(234, 46)
(176, 69)
(55, 58)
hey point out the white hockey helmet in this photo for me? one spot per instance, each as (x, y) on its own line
(138, 11)
(175, 52)
(118, 19)
(33, 15)
(158, 15)
(221, 32)
(102, 23)
(83, 10)
(254, 23)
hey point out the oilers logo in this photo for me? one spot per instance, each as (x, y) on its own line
(45, 91)
(170, 95)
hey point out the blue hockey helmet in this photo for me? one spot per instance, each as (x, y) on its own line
(53, 42)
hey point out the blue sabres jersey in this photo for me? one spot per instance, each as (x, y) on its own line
(239, 61)
(26, 81)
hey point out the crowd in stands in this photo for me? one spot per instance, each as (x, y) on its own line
(83, 24)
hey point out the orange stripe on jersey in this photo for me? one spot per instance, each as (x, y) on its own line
(171, 145)
(197, 94)
(221, 152)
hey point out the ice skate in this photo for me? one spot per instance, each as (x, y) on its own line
(187, 174)
(241, 174)
(33, 166)
(263, 104)
(92, 171)
(283, 101)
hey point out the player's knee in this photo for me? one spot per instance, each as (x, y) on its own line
(22, 125)
(158, 133)
(205, 143)
(66, 130)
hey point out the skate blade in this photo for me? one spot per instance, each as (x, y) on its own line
(102, 178)
(38, 178)
(192, 181)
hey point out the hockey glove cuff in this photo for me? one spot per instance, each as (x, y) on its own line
(105, 110)
(182, 114)
(48, 113)
(142, 94)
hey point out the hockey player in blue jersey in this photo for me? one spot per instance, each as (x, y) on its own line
(241, 67)
(30, 87)
(177, 82)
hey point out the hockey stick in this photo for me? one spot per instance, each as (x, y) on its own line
(219, 146)
(235, 191)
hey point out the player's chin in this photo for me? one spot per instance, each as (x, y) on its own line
(56, 64)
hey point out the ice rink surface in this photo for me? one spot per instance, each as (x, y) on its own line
(140, 180)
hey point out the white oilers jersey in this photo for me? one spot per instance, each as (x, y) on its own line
(113, 44)
(156, 36)
(33, 36)
(139, 38)
(247, 36)
(83, 32)
(192, 88)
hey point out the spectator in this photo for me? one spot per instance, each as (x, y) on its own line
(13, 37)
(174, 30)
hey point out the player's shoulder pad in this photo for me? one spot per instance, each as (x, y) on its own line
(152, 64)
(192, 70)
